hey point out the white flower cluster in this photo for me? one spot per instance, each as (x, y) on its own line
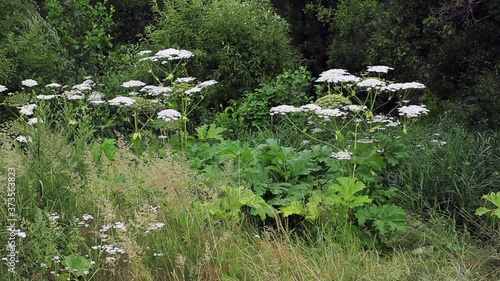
(155, 90)
(24, 139)
(169, 54)
(145, 52)
(310, 108)
(27, 109)
(54, 217)
(110, 249)
(329, 113)
(3, 88)
(86, 85)
(283, 109)
(413, 111)
(133, 83)
(342, 155)
(33, 121)
(53, 85)
(185, 79)
(387, 121)
(371, 83)
(337, 76)
(29, 83)
(200, 87)
(46, 97)
(355, 107)
(379, 68)
(403, 86)
(155, 226)
(438, 142)
(85, 219)
(125, 101)
(169, 115)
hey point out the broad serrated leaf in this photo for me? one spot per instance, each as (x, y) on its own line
(295, 208)
(493, 198)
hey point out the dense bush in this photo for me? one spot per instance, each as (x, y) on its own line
(238, 43)
(29, 46)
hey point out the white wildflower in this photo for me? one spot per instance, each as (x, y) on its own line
(24, 139)
(157, 254)
(3, 88)
(120, 225)
(173, 54)
(46, 97)
(33, 121)
(355, 107)
(342, 155)
(379, 68)
(155, 226)
(75, 97)
(337, 76)
(283, 109)
(366, 140)
(133, 83)
(85, 85)
(317, 130)
(412, 110)
(53, 85)
(185, 79)
(87, 217)
(122, 101)
(155, 90)
(310, 107)
(193, 90)
(403, 86)
(95, 96)
(29, 83)
(328, 113)
(169, 115)
(54, 217)
(438, 142)
(207, 83)
(43, 265)
(371, 83)
(142, 53)
(97, 102)
(305, 142)
(105, 228)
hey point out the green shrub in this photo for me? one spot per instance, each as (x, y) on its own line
(240, 44)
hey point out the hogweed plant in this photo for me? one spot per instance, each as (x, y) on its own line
(356, 119)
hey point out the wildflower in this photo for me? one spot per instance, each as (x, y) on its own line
(403, 86)
(76, 97)
(3, 88)
(155, 226)
(154, 209)
(193, 90)
(53, 85)
(162, 137)
(142, 53)
(97, 102)
(105, 228)
(46, 97)
(54, 217)
(87, 217)
(173, 54)
(155, 90)
(121, 101)
(283, 109)
(371, 83)
(110, 259)
(120, 225)
(157, 255)
(379, 68)
(24, 139)
(412, 110)
(43, 265)
(328, 113)
(310, 107)
(342, 155)
(305, 142)
(207, 83)
(33, 121)
(317, 130)
(337, 76)
(438, 142)
(86, 85)
(366, 141)
(185, 79)
(95, 96)
(355, 107)
(27, 109)
(133, 83)
(169, 115)
(56, 258)
(29, 83)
